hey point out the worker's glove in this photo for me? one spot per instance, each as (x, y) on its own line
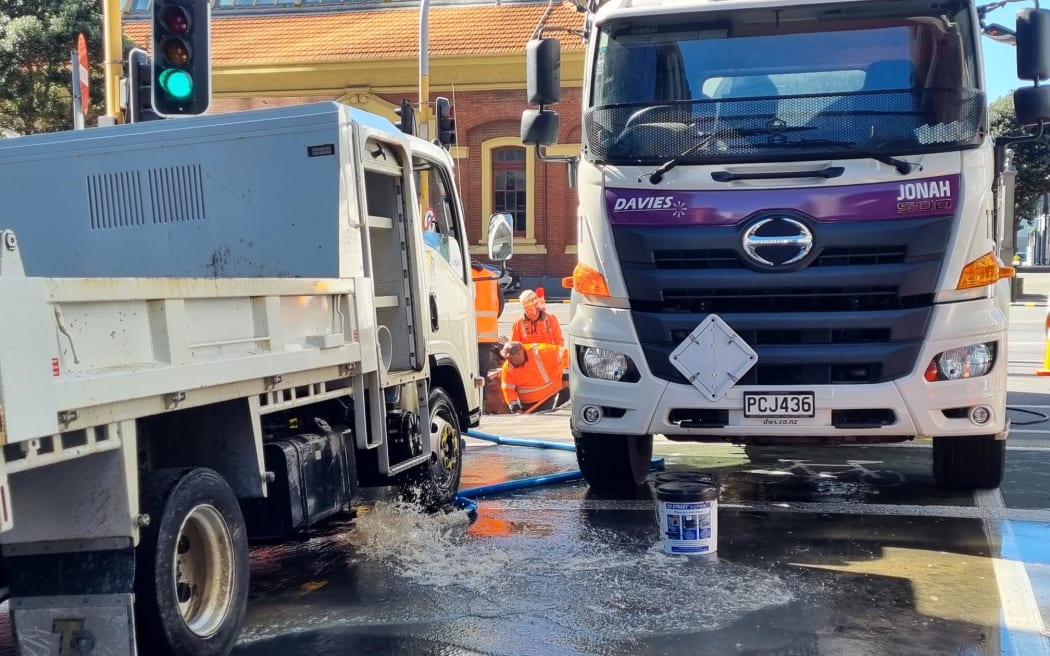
(515, 406)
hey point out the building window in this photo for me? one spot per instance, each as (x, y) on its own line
(510, 186)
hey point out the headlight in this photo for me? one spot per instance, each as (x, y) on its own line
(963, 362)
(605, 364)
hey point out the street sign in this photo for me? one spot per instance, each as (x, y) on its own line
(82, 61)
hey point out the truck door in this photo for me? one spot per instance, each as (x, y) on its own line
(449, 287)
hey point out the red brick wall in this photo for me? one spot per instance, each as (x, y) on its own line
(484, 115)
(480, 116)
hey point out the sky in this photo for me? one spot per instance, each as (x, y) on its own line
(1000, 60)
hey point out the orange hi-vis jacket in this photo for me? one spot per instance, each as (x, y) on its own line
(486, 304)
(538, 378)
(545, 329)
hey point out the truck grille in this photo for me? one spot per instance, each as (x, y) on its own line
(817, 299)
(853, 314)
(728, 259)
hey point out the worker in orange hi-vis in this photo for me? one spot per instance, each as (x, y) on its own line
(488, 305)
(536, 325)
(531, 377)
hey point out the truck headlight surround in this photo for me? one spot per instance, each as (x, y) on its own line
(606, 364)
(971, 361)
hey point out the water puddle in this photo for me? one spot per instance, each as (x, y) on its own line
(567, 573)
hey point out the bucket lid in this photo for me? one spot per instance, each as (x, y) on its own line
(689, 476)
(686, 491)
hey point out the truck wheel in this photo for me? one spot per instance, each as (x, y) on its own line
(971, 462)
(191, 571)
(435, 483)
(614, 464)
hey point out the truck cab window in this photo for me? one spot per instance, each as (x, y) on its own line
(440, 220)
(899, 79)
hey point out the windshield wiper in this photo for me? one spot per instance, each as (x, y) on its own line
(902, 166)
(656, 176)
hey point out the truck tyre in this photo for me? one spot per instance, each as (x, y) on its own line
(192, 568)
(434, 484)
(972, 462)
(614, 464)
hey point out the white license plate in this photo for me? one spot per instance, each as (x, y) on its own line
(798, 404)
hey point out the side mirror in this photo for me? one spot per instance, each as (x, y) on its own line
(1033, 44)
(539, 127)
(1032, 104)
(501, 237)
(543, 71)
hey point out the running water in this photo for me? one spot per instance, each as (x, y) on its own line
(571, 574)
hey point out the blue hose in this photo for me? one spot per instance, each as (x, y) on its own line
(517, 441)
(470, 506)
(463, 500)
(534, 481)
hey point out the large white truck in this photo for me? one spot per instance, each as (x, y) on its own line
(215, 329)
(787, 230)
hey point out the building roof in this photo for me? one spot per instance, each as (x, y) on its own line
(385, 33)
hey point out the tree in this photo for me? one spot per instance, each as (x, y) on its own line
(36, 39)
(1031, 159)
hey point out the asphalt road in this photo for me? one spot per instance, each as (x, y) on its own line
(845, 551)
(851, 551)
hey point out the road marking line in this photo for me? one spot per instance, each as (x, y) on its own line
(809, 507)
(1022, 623)
(910, 445)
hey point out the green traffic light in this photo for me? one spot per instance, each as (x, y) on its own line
(177, 84)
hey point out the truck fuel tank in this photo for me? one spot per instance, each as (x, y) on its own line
(312, 481)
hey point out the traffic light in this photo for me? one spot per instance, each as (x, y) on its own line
(407, 124)
(140, 83)
(181, 76)
(446, 123)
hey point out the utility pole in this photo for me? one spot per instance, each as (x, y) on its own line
(1045, 229)
(424, 70)
(113, 66)
(424, 95)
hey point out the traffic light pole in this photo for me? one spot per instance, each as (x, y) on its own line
(113, 66)
(424, 94)
(424, 70)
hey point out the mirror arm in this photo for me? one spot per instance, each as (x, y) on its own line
(571, 161)
(557, 28)
(1006, 140)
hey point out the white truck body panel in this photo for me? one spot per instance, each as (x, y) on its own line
(640, 293)
(205, 297)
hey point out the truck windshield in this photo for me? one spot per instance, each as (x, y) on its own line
(892, 78)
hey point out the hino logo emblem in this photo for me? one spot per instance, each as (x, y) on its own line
(799, 237)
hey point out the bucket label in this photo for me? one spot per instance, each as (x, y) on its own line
(689, 527)
(692, 505)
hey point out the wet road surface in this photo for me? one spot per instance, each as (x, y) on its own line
(847, 551)
(843, 551)
(825, 560)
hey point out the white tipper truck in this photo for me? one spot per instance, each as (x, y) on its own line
(787, 228)
(213, 329)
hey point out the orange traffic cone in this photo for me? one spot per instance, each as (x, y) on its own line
(1045, 371)
(540, 294)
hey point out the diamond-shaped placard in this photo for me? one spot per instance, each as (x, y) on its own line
(713, 357)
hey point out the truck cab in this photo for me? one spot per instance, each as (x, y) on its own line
(787, 228)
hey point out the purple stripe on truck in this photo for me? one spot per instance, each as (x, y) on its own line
(869, 202)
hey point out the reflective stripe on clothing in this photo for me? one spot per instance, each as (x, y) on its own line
(488, 326)
(538, 378)
(486, 304)
(544, 330)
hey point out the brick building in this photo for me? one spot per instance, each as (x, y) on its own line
(365, 54)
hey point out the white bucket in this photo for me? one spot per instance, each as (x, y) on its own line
(688, 517)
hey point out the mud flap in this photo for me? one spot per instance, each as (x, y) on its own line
(74, 625)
